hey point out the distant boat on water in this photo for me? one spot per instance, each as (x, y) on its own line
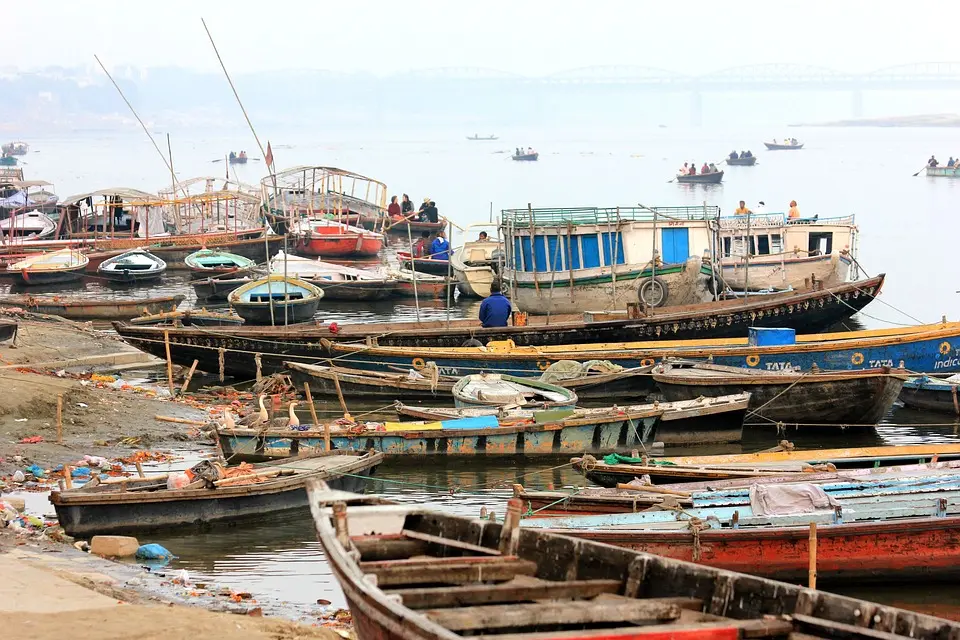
(787, 145)
(15, 149)
(479, 137)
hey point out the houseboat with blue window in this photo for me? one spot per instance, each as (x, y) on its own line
(600, 259)
(785, 253)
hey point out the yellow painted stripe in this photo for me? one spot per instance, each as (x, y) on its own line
(412, 426)
(919, 451)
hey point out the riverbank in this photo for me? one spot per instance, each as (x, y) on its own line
(926, 120)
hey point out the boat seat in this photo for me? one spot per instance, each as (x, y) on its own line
(682, 630)
(462, 570)
(520, 589)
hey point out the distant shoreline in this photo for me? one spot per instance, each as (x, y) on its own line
(930, 120)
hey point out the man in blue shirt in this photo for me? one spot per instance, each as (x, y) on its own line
(440, 248)
(495, 308)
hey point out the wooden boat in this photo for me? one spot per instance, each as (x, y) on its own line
(29, 225)
(275, 300)
(402, 385)
(400, 227)
(190, 318)
(700, 421)
(409, 573)
(15, 148)
(176, 249)
(633, 497)
(8, 329)
(84, 308)
(943, 172)
(206, 263)
(468, 433)
(142, 505)
(420, 285)
(476, 265)
(713, 177)
(238, 158)
(498, 390)
(66, 265)
(479, 137)
(749, 161)
(526, 157)
(137, 265)
(331, 239)
(614, 470)
(217, 289)
(8, 161)
(338, 282)
(430, 266)
(931, 394)
(796, 397)
(866, 530)
(773, 146)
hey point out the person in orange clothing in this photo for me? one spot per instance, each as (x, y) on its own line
(794, 212)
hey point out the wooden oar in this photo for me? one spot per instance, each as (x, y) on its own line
(921, 170)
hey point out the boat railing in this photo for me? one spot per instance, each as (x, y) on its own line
(606, 215)
(757, 221)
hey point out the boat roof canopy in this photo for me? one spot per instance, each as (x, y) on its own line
(129, 195)
(26, 184)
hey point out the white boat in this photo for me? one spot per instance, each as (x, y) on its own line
(65, 265)
(32, 224)
(476, 264)
(338, 282)
(133, 266)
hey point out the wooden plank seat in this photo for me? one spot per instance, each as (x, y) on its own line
(520, 589)
(725, 629)
(463, 570)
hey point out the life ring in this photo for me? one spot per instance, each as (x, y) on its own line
(856, 359)
(944, 348)
(543, 366)
(753, 360)
(647, 362)
(418, 364)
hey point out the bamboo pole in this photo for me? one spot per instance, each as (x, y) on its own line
(59, 418)
(413, 272)
(449, 271)
(186, 382)
(166, 346)
(179, 420)
(139, 469)
(67, 477)
(313, 415)
(343, 403)
(812, 573)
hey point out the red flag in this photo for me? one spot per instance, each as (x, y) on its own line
(269, 157)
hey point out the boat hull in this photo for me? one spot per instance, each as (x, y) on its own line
(931, 395)
(338, 246)
(294, 312)
(848, 400)
(355, 290)
(425, 265)
(742, 162)
(943, 172)
(702, 178)
(216, 289)
(31, 278)
(526, 157)
(912, 549)
(93, 309)
(782, 147)
(474, 282)
(774, 273)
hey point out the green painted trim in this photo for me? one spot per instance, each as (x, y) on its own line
(563, 278)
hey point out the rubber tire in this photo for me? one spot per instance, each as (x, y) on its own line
(649, 289)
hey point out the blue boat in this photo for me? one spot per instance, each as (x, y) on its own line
(933, 348)
(931, 394)
(276, 300)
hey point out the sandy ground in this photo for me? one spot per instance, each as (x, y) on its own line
(95, 420)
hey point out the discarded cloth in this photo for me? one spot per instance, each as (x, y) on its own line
(778, 500)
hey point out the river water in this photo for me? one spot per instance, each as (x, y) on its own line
(905, 222)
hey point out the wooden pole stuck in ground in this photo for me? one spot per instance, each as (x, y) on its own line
(67, 477)
(166, 345)
(186, 382)
(343, 403)
(812, 575)
(59, 418)
(139, 469)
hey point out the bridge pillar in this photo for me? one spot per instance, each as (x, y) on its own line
(857, 103)
(696, 108)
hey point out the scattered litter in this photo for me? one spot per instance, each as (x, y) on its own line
(153, 551)
(20, 420)
(32, 440)
(18, 476)
(82, 405)
(36, 470)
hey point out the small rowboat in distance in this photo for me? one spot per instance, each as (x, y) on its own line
(427, 287)
(138, 265)
(142, 505)
(773, 146)
(213, 262)
(410, 573)
(702, 178)
(77, 308)
(932, 394)
(526, 157)
(65, 265)
(498, 390)
(430, 266)
(749, 161)
(478, 137)
(854, 398)
(276, 300)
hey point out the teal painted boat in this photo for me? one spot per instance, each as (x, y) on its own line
(207, 263)
(498, 390)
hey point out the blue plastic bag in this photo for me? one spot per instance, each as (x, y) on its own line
(36, 470)
(80, 472)
(153, 552)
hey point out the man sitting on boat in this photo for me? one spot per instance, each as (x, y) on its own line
(746, 154)
(422, 245)
(733, 155)
(742, 210)
(693, 169)
(423, 209)
(495, 308)
(684, 170)
(432, 214)
(440, 248)
(951, 163)
(233, 156)
(713, 168)
(705, 168)
(482, 237)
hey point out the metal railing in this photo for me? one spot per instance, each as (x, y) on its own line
(605, 215)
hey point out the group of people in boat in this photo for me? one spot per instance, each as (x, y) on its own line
(690, 169)
(238, 156)
(788, 141)
(952, 163)
(520, 152)
(743, 154)
(404, 210)
(433, 246)
(792, 214)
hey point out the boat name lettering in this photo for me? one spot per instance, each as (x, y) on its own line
(949, 363)
(449, 371)
(881, 363)
(781, 366)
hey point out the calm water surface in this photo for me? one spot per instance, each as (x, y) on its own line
(906, 226)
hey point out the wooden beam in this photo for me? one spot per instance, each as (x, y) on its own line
(447, 542)
(829, 628)
(478, 594)
(376, 550)
(577, 612)
(720, 630)
(437, 571)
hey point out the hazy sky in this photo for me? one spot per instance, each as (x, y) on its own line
(529, 38)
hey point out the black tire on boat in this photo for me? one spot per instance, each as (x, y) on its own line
(653, 292)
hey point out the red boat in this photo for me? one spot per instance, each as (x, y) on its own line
(329, 239)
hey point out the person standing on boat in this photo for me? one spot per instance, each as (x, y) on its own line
(932, 162)
(393, 209)
(794, 213)
(431, 212)
(406, 206)
(440, 248)
(742, 210)
(495, 308)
